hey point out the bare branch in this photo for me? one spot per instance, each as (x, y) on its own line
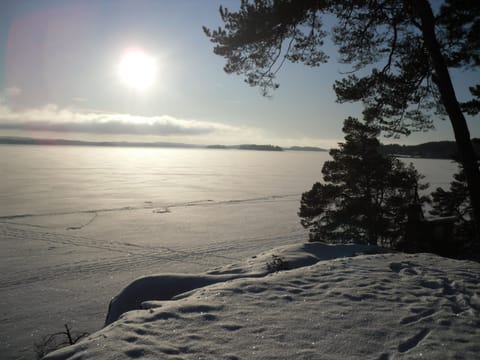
(392, 49)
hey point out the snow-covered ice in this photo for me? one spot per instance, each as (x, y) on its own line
(77, 224)
(49, 273)
(334, 302)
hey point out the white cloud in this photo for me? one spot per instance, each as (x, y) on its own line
(79, 99)
(53, 121)
(12, 91)
(51, 118)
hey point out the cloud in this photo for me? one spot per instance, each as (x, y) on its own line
(12, 91)
(79, 99)
(51, 118)
(56, 122)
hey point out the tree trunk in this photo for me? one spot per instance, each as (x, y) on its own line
(444, 83)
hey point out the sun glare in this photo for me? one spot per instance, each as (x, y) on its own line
(137, 69)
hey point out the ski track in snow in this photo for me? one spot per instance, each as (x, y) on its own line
(427, 302)
(130, 255)
(158, 208)
(43, 261)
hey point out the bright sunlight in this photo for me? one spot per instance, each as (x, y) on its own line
(137, 69)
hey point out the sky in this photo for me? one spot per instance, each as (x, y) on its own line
(61, 76)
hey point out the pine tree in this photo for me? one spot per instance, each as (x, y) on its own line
(403, 48)
(455, 202)
(365, 196)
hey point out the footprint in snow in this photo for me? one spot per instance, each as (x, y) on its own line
(413, 342)
(405, 268)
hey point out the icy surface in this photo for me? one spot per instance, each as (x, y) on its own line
(77, 221)
(49, 273)
(383, 306)
(77, 224)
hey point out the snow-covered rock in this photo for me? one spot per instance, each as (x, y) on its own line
(382, 306)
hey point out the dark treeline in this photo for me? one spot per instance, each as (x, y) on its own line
(32, 141)
(431, 150)
(260, 147)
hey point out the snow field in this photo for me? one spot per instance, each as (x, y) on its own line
(383, 306)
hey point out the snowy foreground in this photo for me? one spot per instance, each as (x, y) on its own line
(334, 302)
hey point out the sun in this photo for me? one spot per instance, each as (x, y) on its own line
(137, 69)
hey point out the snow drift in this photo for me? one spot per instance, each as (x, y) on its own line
(350, 305)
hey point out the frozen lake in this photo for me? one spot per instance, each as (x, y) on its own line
(79, 223)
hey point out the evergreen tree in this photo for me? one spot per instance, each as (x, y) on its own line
(365, 196)
(403, 48)
(455, 202)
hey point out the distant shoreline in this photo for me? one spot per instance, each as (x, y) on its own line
(444, 150)
(63, 142)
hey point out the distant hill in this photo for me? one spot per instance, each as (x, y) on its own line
(305, 148)
(31, 141)
(266, 147)
(218, 147)
(260, 147)
(12, 140)
(430, 150)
